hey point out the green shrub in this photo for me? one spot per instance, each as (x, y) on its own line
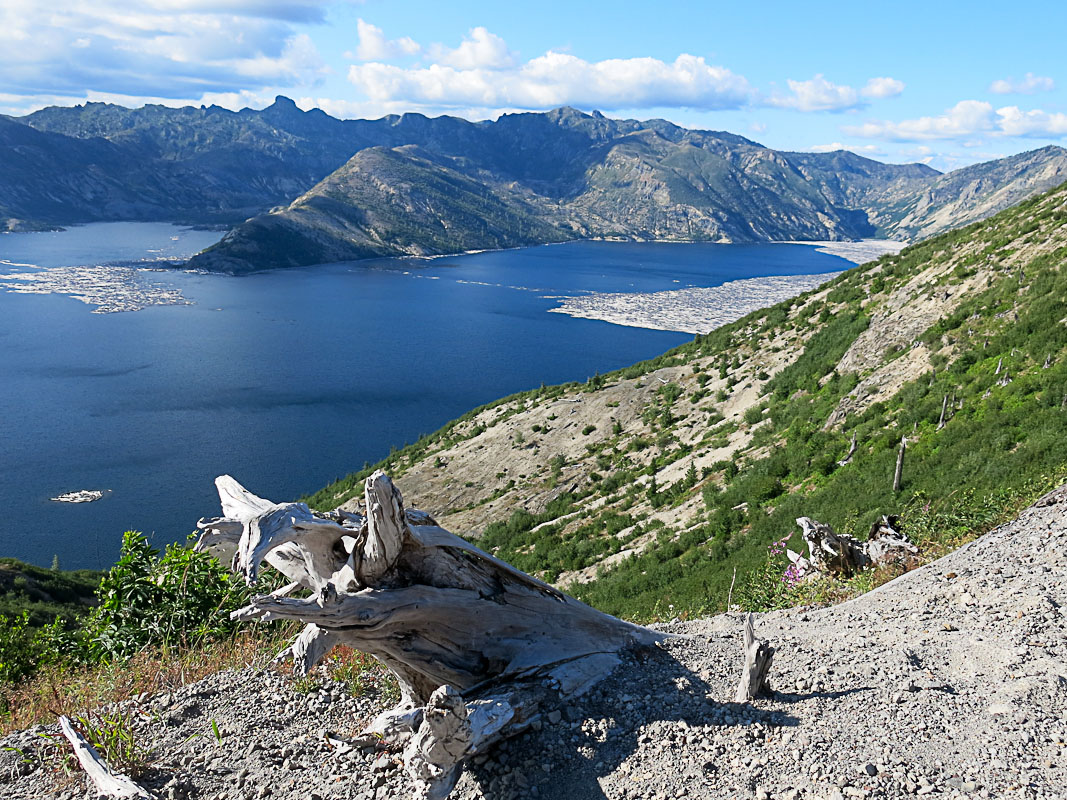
(19, 649)
(147, 600)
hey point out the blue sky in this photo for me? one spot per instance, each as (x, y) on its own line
(946, 83)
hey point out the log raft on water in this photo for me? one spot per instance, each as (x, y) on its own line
(80, 496)
(480, 649)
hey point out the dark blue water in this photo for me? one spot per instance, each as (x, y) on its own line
(288, 380)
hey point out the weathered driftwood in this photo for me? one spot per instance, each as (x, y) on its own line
(108, 782)
(758, 657)
(831, 553)
(481, 650)
(885, 543)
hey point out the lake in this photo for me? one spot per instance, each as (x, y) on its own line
(288, 379)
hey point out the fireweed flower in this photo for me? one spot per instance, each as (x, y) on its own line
(792, 575)
(777, 547)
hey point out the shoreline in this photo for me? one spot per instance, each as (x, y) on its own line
(857, 252)
(702, 310)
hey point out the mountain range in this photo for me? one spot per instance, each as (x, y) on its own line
(304, 187)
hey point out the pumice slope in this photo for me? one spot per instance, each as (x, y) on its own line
(950, 681)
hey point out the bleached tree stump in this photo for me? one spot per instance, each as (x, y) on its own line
(480, 649)
(844, 462)
(758, 657)
(898, 472)
(831, 553)
(886, 544)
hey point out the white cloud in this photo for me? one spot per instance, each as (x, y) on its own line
(479, 50)
(348, 109)
(1012, 121)
(373, 46)
(818, 94)
(299, 57)
(286, 10)
(879, 88)
(177, 48)
(964, 120)
(1030, 84)
(833, 147)
(556, 79)
(920, 153)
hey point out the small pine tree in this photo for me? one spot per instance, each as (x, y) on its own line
(691, 475)
(55, 563)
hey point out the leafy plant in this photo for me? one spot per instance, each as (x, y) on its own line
(164, 601)
(217, 733)
(112, 734)
(19, 650)
(305, 684)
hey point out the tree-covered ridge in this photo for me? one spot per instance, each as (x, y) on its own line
(425, 209)
(645, 488)
(149, 601)
(42, 594)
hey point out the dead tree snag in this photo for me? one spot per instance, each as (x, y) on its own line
(481, 650)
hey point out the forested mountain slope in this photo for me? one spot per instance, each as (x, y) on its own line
(969, 194)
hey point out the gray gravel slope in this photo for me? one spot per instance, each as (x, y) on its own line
(949, 681)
